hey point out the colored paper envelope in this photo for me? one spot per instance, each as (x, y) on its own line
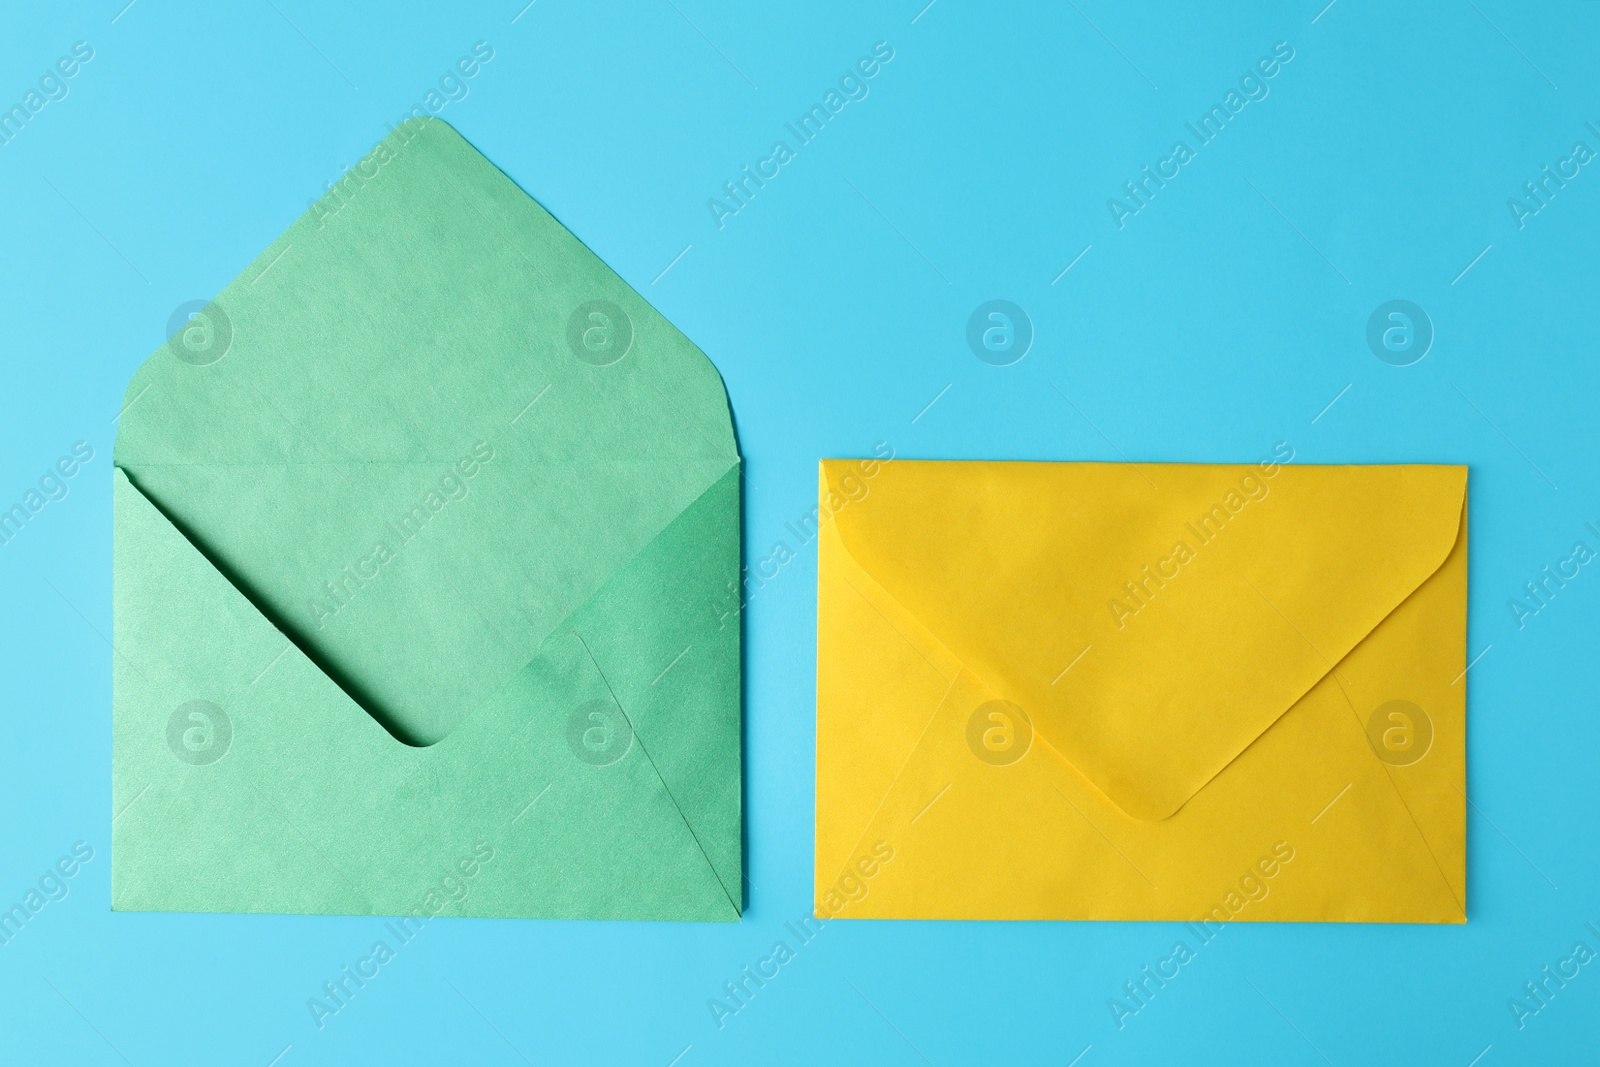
(1120, 691)
(419, 531)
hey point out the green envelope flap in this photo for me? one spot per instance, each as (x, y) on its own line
(423, 427)
(464, 506)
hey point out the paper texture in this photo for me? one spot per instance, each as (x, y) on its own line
(1112, 691)
(422, 523)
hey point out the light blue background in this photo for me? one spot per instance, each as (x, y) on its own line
(1224, 317)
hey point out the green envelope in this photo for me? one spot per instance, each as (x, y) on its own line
(426, 577)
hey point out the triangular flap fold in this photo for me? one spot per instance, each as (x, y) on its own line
(1152, 619)
(424, 426)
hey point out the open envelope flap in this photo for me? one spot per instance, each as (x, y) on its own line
(1152, 629)
(423, 428)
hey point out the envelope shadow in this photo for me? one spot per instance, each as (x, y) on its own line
(744, 676)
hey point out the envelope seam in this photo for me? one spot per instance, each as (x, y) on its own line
(665, 788)
(903, 636)
(855, 850)
(666, 526)
(1400, 796)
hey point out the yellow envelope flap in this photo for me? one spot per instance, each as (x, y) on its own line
(1151, 619)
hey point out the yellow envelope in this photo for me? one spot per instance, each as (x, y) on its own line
(1141, 691)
